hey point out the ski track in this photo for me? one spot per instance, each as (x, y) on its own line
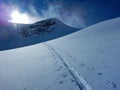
(80, 81)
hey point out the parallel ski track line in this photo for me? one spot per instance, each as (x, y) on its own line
(80, 81)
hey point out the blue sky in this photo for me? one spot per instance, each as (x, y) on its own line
(78, 13)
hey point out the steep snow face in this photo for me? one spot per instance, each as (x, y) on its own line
(97, 53)
(28, 34)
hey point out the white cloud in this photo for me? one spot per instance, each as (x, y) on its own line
(69, 18)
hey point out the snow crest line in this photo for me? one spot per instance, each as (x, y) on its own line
(80, 81)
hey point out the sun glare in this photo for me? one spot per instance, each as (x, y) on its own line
(17, 17)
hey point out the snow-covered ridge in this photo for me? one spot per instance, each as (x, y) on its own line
(28, 34)
(41, 27)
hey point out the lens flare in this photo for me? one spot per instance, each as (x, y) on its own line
(17, 17)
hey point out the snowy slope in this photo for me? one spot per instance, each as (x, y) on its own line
(33, 68)
(85, 60)
(97, 53)
(18, 35)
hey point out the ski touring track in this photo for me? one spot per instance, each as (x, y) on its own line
(80, 81)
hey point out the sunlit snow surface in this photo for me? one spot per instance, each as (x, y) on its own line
(97, 53)
(93, 52)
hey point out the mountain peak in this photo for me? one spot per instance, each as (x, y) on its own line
(45, 26)
(47, 22)
(29, 34)
(51, 22)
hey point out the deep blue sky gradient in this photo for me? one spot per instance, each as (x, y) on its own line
(91, 11)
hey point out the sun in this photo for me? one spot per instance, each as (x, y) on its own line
(17, 17)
